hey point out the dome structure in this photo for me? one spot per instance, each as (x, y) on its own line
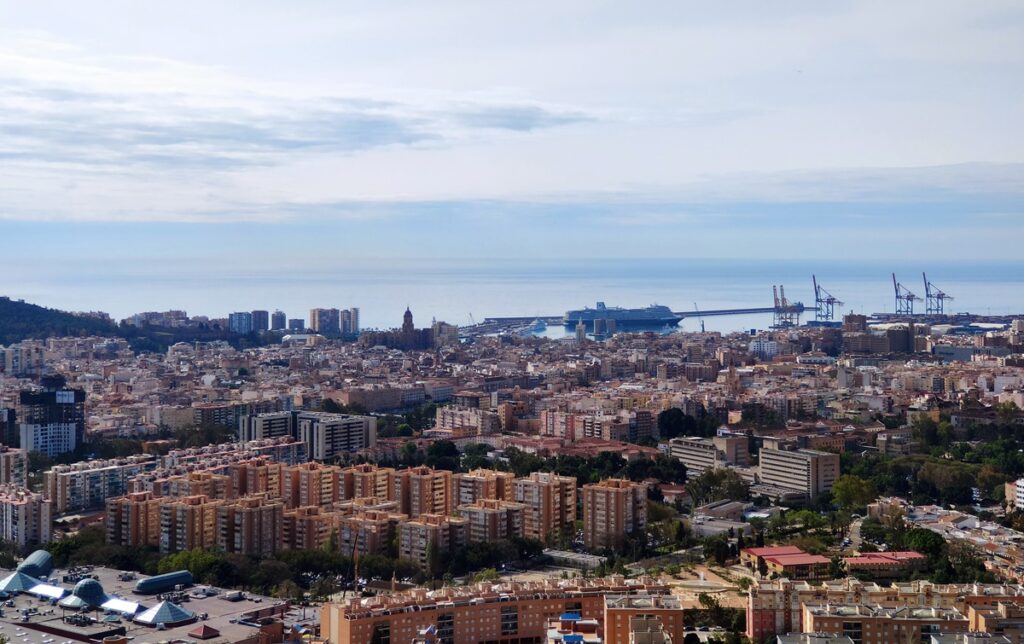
(38, 564)
(87, 593)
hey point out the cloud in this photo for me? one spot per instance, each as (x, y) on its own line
(68, 109)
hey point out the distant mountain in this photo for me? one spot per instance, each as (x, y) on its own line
(20, 321)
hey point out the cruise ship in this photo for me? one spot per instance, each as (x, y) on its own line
(652, 317)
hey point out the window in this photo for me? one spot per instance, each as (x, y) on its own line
(509, 620)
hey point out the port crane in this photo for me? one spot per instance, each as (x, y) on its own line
(824, 302)
(904, 298)
(934, 298)
(699, 315)
(786, 313)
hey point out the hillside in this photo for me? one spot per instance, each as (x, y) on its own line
(20, 321)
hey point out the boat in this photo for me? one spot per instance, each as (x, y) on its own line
(653, 317)
(533, 328)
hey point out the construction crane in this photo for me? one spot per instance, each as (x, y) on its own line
(904, 298)
(824, 302)
(934, 298)
(698, 315)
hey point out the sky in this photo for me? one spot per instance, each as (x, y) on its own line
(305, 134)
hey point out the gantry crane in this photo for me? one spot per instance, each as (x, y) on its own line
(904, 298)
(934, 298)
(824, 302)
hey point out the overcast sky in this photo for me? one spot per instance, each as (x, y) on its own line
(515, 129)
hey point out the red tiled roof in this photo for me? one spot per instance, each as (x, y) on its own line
(770, 551)
(802, 559)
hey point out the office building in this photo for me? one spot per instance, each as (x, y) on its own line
(278, 321)
(478, 484)
(240, 322)
(270, 425)
(260, 321)
(612, 509)
(550, 501)
(808, 472)
(296, 325)
(492, 520)
(88, 484)
(423, 490)
(53, 418)
(354, 327)
(25, 516)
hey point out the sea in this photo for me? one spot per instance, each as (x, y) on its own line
(460, 291)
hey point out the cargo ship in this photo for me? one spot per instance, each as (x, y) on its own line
(653, 317)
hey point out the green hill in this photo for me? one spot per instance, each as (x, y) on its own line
(20, 321)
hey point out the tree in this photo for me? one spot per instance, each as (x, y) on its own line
(930, 544)
(852, 492)
(691, 638)
(716, 484)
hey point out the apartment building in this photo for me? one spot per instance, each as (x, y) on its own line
(482, 421)
(250, 526)
(368, 532)
(134, 519)
(478, 484)
(258, 476)
(421, 537)
(311, 484)
(366, 479)
(775, 606)
(612, 509)
(13, 466)
(702, 454)
(808, 472)
(512, 612)
(269, 425)
(187, 523)
(550, 502)
(307, 528)
(423, 490)
(560, 424)
(492, 520)
(331, 435)
(880, 625)
(88, 484)
(25, 516)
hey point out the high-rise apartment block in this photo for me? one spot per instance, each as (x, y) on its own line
(88, 484)
(278, 321)
(422, 538)
(612, 509)
(550, 502)
(480, 484)
(325, 435)
(366, 480)
(806, 471)
(240, 322)
(24, 359)
(25, 516)
(10, 433)
(13, 466)
(260, 321)
(53, 418)
(493, 520)
(423, 490)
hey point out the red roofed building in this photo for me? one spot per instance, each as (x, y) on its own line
(799, 566)
(753, 558)
(884, 565)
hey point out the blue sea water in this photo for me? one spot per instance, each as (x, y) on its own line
(455, 289)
